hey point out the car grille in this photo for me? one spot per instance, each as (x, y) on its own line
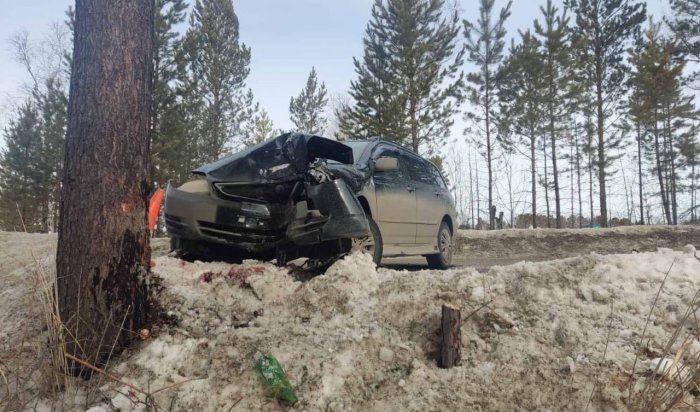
(269, 193)
(236, 233)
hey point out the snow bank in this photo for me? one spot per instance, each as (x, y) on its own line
(360, 338)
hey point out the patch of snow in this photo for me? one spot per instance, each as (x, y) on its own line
(366, 338)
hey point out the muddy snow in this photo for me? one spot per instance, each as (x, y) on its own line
(361, 338)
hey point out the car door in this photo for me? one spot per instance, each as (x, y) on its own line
(430, 206)
(396, 202)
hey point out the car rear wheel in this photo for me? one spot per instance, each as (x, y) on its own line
(442, 259)
(370, 244)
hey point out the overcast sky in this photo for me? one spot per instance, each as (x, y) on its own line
(286, 37)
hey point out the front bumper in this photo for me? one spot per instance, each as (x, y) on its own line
(329, 212)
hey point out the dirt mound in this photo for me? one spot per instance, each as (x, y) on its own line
(541, 244)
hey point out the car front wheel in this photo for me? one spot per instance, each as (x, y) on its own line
(442, 259)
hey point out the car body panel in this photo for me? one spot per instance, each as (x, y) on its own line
(304, 195)
(395, 212)
(409, 226)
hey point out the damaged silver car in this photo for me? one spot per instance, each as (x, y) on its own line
(301, 195)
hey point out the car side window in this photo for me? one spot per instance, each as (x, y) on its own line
(417, 170)
(389, 175)
(436, 176)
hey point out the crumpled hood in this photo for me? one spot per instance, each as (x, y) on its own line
(279, 159)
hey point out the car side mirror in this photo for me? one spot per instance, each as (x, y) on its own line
(386, 164)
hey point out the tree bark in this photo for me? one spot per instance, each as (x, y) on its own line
(639, 165)
(103, 250)
(471, 194)
(571, 180)
(672, 159)
(660, 171)
(590, 183)
(578, 180)
(533, 177)
(553, 140)
(546, 183)
(627, 195)
(478, 197)
(492, 216)
(451, 345)
(692, 191)
(601, 134)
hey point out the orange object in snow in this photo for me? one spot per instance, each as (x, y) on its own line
(154, 208)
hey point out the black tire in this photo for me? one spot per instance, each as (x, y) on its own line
(442, 259)
(376, 249)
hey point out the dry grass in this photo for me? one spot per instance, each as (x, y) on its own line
(35, 372)
(677, 376)
(34, 367)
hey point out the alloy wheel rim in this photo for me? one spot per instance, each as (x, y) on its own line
(445, 244)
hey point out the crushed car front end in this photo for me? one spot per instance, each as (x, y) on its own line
(277, 197)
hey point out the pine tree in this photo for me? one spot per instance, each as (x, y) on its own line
(306, 110)
(485, 44)
(559, 84)
(264, 129)
(603, 28)
(377, 108)
(659, 104)
(425, 64)
(103, 253)
(21, 172)
(376, 111)
(52, 107)
(522, 97)
(689, 148)
(46, 62)
(167, 126)
(219, 105)
(686, 27)
(409, 83)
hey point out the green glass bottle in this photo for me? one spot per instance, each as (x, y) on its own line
(275, 380)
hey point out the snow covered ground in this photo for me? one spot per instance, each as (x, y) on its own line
(361, 338)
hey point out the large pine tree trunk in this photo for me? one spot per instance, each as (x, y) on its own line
(553, 141)
(471, 195)
(692, 190)
(571, 182)
(557, 195)
(478, 197)
(578, 180)
(492, 214)
(590, 182)
(660, 172)
(103, 251)
(601, 166)
(639, 165)
(601, 143)
(627, 194)
(546, 183)
(533, 177)
(672, 159)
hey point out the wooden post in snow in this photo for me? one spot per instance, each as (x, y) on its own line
(451, 344)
